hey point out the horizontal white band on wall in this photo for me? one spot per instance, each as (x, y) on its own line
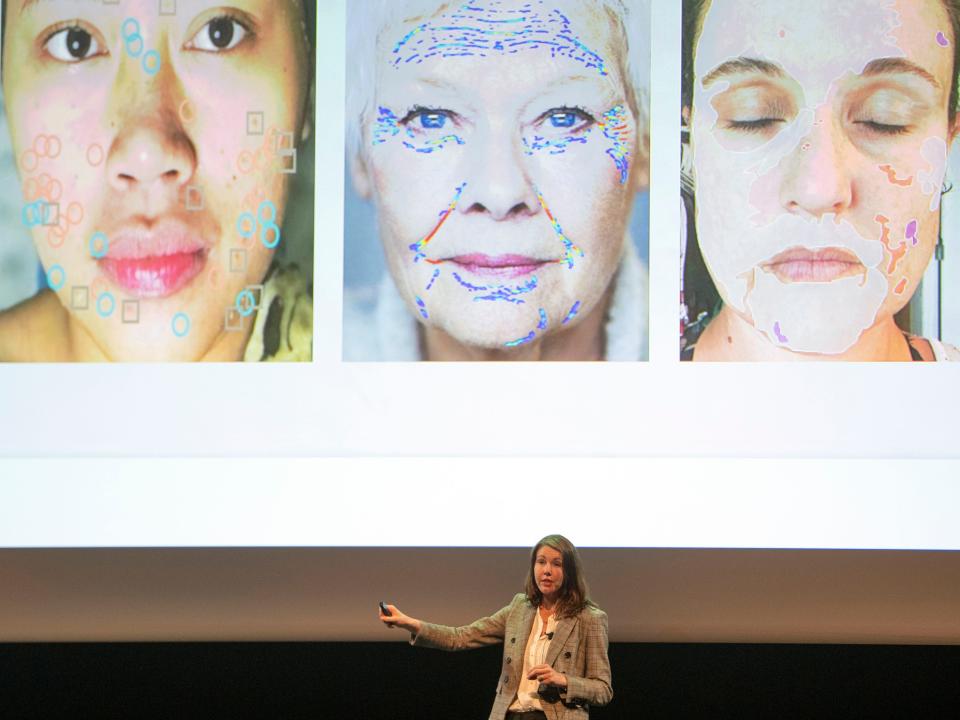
(480, 502)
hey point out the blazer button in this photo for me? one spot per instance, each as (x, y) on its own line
(513, 640)
(567, 654)
(508, 660)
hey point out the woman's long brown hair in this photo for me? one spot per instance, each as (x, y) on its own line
(573, 595)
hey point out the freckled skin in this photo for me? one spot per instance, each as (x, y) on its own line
(109, 101)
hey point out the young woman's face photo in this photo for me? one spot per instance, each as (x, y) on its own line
(819, 136)
(501, 157)
(149, 144)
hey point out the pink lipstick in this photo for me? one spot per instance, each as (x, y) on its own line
(499, 266)
(154, 263)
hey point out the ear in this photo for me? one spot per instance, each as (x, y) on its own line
(360, 173)
(685, 117)
(640, 170)
(307, 127)
(640, 176)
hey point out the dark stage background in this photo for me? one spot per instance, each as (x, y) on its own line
(393, 680)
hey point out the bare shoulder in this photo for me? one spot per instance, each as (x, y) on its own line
(34, 330)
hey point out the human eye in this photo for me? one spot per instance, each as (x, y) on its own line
(882, 117)
(882, 128)
(567, 119)
(756, 125)
(754, 112)
(420, 118)
(72, 43)
(888, 110)
(221, 33)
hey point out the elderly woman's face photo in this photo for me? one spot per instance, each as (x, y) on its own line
(149, 143)
(819, 134)
(501, 156)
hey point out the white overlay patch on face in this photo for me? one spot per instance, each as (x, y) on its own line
(791, 314)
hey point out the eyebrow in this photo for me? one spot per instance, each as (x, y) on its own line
(743, 65)
(27, 4)
(880, 66)
(899, 66)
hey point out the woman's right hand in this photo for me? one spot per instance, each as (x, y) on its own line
(398, 619)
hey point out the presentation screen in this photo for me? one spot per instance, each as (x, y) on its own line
(444, 274)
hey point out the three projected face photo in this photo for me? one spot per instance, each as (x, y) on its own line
(816, 146)
(503, 145)
(159, 152)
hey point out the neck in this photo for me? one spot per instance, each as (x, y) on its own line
(729, 337)
(81, 346)
(583, 341)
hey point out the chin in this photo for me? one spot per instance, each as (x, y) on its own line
(151, 344)
(489, 337)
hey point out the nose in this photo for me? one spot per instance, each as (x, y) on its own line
(816, 180)
(497, 182)
(151, 154)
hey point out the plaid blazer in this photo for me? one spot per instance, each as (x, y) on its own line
(578, 650)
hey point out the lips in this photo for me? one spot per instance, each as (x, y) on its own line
(499, 266)
(154, 263)
(814, 266)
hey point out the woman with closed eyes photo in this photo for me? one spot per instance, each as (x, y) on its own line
(815, 150)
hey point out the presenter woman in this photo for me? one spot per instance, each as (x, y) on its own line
(555, 662)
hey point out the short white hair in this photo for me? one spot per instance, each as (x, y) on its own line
(367, 20)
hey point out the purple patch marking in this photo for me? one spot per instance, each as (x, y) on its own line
(942, 40)
(780, 336)
(912, 227)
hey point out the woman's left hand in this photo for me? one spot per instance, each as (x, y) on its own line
(547, 675)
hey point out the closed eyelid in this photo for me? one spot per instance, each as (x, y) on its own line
(774, 107)
(754, 101)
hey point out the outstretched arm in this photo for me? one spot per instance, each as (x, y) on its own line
(485, 631)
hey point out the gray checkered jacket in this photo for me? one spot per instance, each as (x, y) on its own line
(578, 650)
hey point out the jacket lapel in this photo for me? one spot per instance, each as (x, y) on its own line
(560, 635)
(522, 631)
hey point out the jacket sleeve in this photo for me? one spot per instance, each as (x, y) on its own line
(594, 687)
(485, 631)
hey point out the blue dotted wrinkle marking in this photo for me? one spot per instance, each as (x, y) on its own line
(503, 293)
(421, 306)
(522, 341)
(543, 320)
(478, 29)
(572, 314)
